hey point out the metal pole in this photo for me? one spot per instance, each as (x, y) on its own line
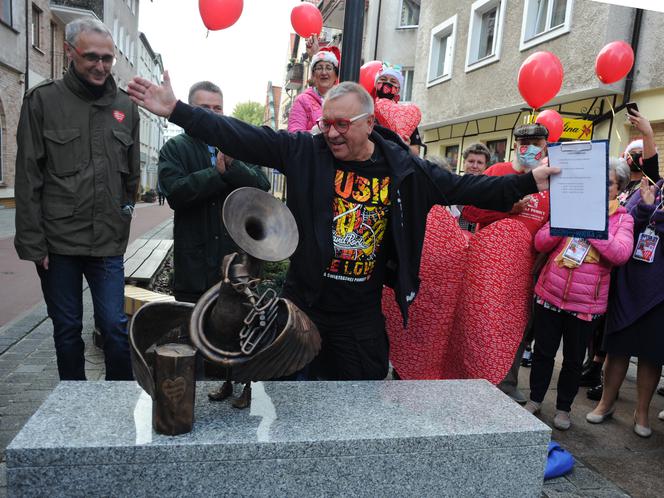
(351, 53)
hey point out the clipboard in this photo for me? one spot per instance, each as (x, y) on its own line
(579, 200)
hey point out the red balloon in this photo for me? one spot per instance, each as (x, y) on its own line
(220, 14)
(553, 122)
(368, 75)
(306, 20)
(614, 61)
(540, 78)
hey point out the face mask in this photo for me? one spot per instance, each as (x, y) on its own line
(636, 162)
(386, 91)
(529, 155)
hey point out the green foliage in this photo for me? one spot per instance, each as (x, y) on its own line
(250, 112)
(274, 275)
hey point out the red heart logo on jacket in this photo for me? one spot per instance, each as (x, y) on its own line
(402, 119)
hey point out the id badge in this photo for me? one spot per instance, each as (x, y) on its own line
(576, 250)
(646, 245)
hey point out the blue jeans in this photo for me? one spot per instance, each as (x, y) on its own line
(62, 285)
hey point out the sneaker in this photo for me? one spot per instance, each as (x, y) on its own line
(562, 420)
(661, 415)
(517, 396)
(533, 407)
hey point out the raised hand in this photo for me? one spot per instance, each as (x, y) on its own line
(647, 192)
(542, 174)
(158, 99)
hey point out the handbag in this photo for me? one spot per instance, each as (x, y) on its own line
(559, 461)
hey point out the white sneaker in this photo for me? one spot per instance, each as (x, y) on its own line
(533, 407)
(562, 420)
(661, 415)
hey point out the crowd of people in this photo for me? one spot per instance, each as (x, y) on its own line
(361, 196)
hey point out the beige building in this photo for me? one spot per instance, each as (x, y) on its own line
(150, 67)
(468, 55)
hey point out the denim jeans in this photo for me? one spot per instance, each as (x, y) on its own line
(62, 285)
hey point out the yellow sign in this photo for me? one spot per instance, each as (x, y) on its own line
(577, 129)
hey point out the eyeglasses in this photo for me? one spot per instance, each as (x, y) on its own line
(341, 125)
(320, 69)
(91, 57)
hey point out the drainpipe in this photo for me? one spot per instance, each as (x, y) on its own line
(380, 3)
(636, 35)
(351, 53)
(27, 45)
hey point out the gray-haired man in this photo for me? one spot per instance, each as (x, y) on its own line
(77, 171)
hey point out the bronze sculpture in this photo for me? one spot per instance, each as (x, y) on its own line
(253, 335)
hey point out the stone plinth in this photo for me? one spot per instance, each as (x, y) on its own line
(392, 438)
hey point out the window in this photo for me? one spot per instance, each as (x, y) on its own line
(126, 45)
(6, 11)
(441, 52)
(544, 20)
(115, 32)
(410, 13)
(407, 90)
(485, 33)
(452, 155)
(121, 38)
(498, 149)
(52, 48)
(35, 28)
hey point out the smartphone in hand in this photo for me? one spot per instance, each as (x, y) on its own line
(631, 106)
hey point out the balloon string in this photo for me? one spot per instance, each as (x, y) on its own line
(613, 112)
(207, 34)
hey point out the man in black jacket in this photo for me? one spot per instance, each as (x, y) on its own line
(360, 202)
(196, 179)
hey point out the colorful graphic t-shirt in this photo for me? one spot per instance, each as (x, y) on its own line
(361, 207)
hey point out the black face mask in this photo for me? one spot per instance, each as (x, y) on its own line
(386, 91)
(636, 162)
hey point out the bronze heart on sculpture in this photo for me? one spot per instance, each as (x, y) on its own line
(174, 390)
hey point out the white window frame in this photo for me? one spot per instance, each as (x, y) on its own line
(478, 8)
(121, 40)
(407, 26)
(405, 71)
(446, 29)
(548, 33)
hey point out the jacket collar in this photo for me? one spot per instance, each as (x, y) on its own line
(77, 87)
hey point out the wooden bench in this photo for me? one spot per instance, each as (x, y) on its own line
(144, 258)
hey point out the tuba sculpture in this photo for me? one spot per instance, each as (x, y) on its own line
(251, 334)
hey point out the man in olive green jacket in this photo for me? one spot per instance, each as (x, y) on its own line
(196, 180)
(77, 172)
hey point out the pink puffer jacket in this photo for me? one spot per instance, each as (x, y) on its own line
(584, 289)
(306, 110)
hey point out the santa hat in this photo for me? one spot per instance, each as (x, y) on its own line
(634, 144)
(390, 71)
(325, 56)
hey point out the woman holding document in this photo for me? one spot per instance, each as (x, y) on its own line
(571, 295)
(636, 312)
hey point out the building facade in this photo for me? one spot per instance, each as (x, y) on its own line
(32, 50)
(150, 67)
(468, 55)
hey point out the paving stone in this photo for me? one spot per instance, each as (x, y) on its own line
(29, 369)
(12, 422)
(559, 486)
(6, 388)
(585, 478)
(20, 408)
(3, 475)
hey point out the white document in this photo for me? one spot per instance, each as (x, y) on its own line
(579, 194)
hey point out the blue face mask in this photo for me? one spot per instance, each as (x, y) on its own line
(529, 155)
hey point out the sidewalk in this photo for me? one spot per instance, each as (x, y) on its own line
(18, 279)
(611, 460)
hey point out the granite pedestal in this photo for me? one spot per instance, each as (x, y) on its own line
(391, 438)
